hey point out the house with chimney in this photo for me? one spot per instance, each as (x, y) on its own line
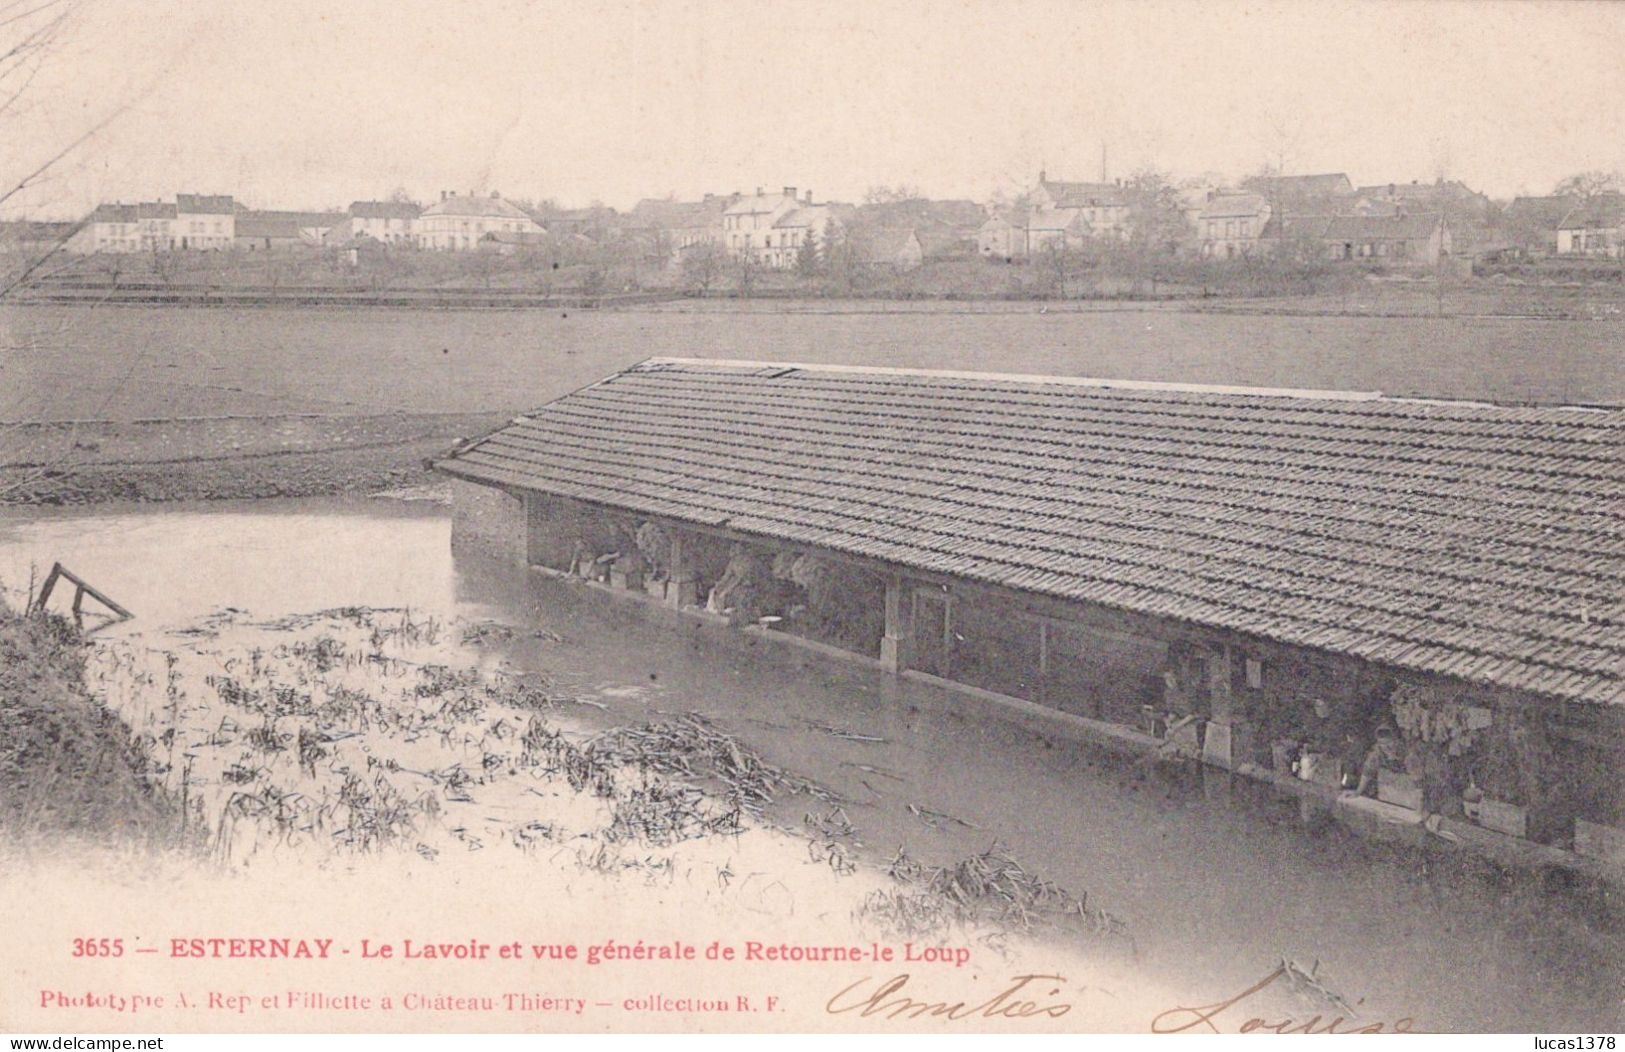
(888, 247)
(1532, 223)
(1593, 228)
(111, 227)
(670, 229)
(1390, 240)
(387, 222)
(1326, 191)
(770, 229)
(37, 237)
(205, 222)
(267, 230)
(946, 229)
(1084, 209)
(1003, 235)
(1230, 224)
(157, 224)
(459, 222)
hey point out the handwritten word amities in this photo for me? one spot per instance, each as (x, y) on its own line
(1027, 997)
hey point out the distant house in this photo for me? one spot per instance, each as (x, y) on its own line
(387, 222)
(1327, 193)
(263, 231)
(1396, 240)
(890, 247)
(1050, 228)
(1103, 208)
(921, 211)
(1058, 215)
(157, 219)
(1442, 195)
(1230, 224)
(37, 238)
(809, 224)
(1593, 228)
(1466, 211)
(1003, 235)
(941, 241)
(595, 223)
(205, 221)
(750, 226)
(946, 229)
(1532, 222)
(109, 228)
(772, 228)
(457, 223)
(672, 229)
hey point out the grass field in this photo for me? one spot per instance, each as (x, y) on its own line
(131, 363)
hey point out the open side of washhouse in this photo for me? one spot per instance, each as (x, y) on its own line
(1419, 600)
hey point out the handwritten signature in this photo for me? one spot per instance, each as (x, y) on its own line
(1181, 1020)
(1016, 1001)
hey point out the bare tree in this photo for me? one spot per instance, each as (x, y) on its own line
(703, 265)
(31, 34)
(1589, 185)
(746, 270)
(1156, 225)
(884, 195)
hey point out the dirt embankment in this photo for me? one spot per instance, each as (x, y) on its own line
(68, 765)
(224, 457)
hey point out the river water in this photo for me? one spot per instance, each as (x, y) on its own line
(1213, 894)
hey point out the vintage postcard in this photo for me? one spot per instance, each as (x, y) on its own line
(921, 516)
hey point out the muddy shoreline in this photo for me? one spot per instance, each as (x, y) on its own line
(224, 458)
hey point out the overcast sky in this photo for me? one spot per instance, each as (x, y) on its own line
(313, 103)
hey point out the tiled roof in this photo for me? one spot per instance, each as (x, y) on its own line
(1384, 227)
(1400, 227)
(1544, 212)
(805, 216)
(885, 244)
(1084, 195)
(757, 204)
(668, 214)
(284, 224)
(1230, 206)
(1476, 541)
(479, 207)
(1603, 212)
(266, 224)
(205, 204)
(384, 210)
(114, 213)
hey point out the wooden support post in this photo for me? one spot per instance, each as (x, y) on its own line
(682, 586)
(47, 587)
(1043, 662)
(536, 516)
(81, 589)
(896, 645)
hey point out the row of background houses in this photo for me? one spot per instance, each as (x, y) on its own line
(1320, 215)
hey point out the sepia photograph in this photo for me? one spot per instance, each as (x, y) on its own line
(753, 517)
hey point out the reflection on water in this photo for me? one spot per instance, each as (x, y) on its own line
(1213, 895)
